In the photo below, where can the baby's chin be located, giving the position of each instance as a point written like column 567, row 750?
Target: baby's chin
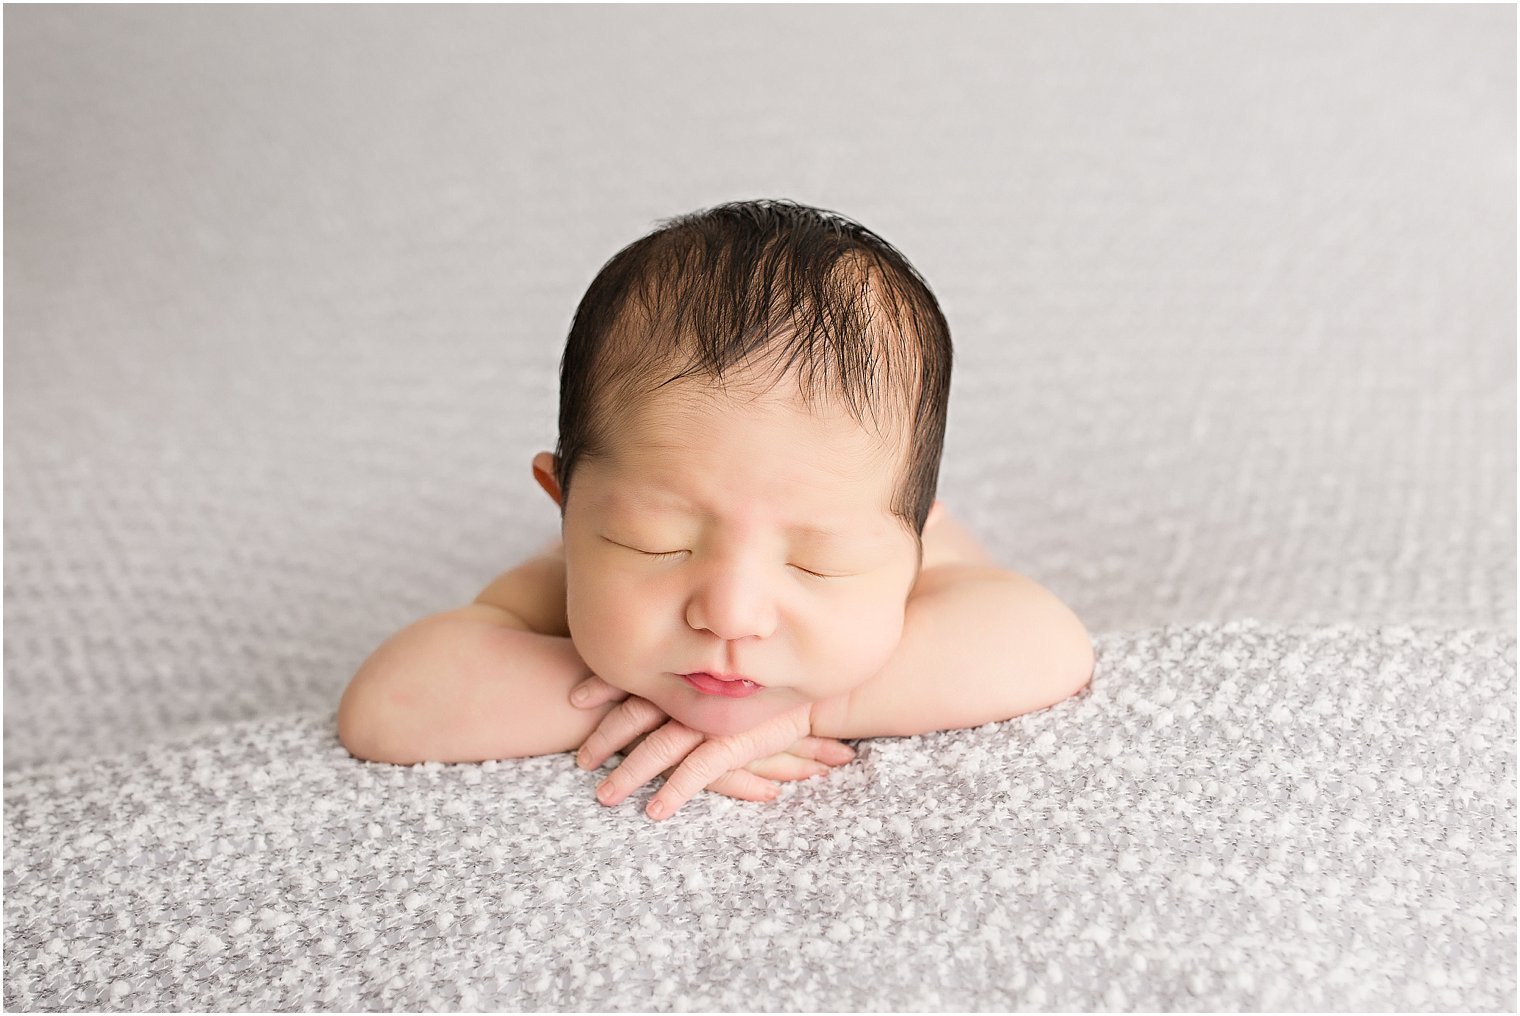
column 717, row 716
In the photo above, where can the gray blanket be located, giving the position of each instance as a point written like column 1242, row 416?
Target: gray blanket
column 1237, row 815
column 1233, row 297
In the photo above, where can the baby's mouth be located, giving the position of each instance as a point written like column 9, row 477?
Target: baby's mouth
column 725, row 685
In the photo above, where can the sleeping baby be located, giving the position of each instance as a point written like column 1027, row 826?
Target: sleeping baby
column 752, row 567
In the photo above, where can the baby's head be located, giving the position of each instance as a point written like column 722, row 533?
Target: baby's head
column 752, row 408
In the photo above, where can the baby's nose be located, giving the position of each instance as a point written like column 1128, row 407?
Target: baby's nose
column 732, row 607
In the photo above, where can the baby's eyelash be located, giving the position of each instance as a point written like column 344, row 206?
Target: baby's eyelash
column 657, row 555
column 666, row 555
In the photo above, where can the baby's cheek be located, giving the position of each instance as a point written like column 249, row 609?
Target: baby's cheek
column 861, row 645
column 602, row 626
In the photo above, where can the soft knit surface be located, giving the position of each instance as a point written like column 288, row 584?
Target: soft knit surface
column 1233, row 297
column 1232, row 816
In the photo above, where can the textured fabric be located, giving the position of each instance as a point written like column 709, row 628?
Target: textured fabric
column 1234, row 816
column 1233, row 297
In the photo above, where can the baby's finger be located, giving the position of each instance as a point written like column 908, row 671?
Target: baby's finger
column 718, row 756
column 593, row 692
column 786, row 768
column 823, row 749
column 702, row 768
column 669, row 744
column 625, row 722
column 745, row 786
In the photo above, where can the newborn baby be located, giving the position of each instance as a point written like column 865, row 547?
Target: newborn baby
column 753, row 564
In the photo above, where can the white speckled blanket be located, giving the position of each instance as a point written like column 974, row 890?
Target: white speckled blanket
column 1233, row 292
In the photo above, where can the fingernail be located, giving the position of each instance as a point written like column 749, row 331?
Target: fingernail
column 656, row 809
column 581, row 759
column 818, row 770
column 580, row 694
column 604, row 792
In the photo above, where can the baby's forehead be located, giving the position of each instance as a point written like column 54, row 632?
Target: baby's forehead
column 660, row 474
column 769, row 404
column 748, row 435
column 830, row 449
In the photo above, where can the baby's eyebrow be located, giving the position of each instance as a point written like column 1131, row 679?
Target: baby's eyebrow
column 644, row 500
column 817, row 531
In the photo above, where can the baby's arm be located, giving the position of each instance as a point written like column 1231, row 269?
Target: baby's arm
column 487, row 681
column 493, row 680
column 980, row 644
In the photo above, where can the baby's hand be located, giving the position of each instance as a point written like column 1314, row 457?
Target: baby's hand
column 741, row 766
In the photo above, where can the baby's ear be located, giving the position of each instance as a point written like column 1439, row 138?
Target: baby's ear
column 544, row 465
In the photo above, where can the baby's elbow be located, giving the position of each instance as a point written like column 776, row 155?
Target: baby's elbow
column 1074, row 657
column 1066, row 672
column 355, row 725
column 363, row 721
column 1063, row 665
column 1084, row 660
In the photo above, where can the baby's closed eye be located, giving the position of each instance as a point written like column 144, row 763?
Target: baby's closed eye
column 812, row 569
column 636, row 547
column 819, row 574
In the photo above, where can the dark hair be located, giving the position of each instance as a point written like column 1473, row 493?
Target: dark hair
column 798, row 288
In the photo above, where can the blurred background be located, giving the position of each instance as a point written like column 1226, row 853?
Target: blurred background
column 286, row 287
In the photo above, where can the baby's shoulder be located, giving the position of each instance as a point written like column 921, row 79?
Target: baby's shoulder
column 948, row 541
column 534, row 592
